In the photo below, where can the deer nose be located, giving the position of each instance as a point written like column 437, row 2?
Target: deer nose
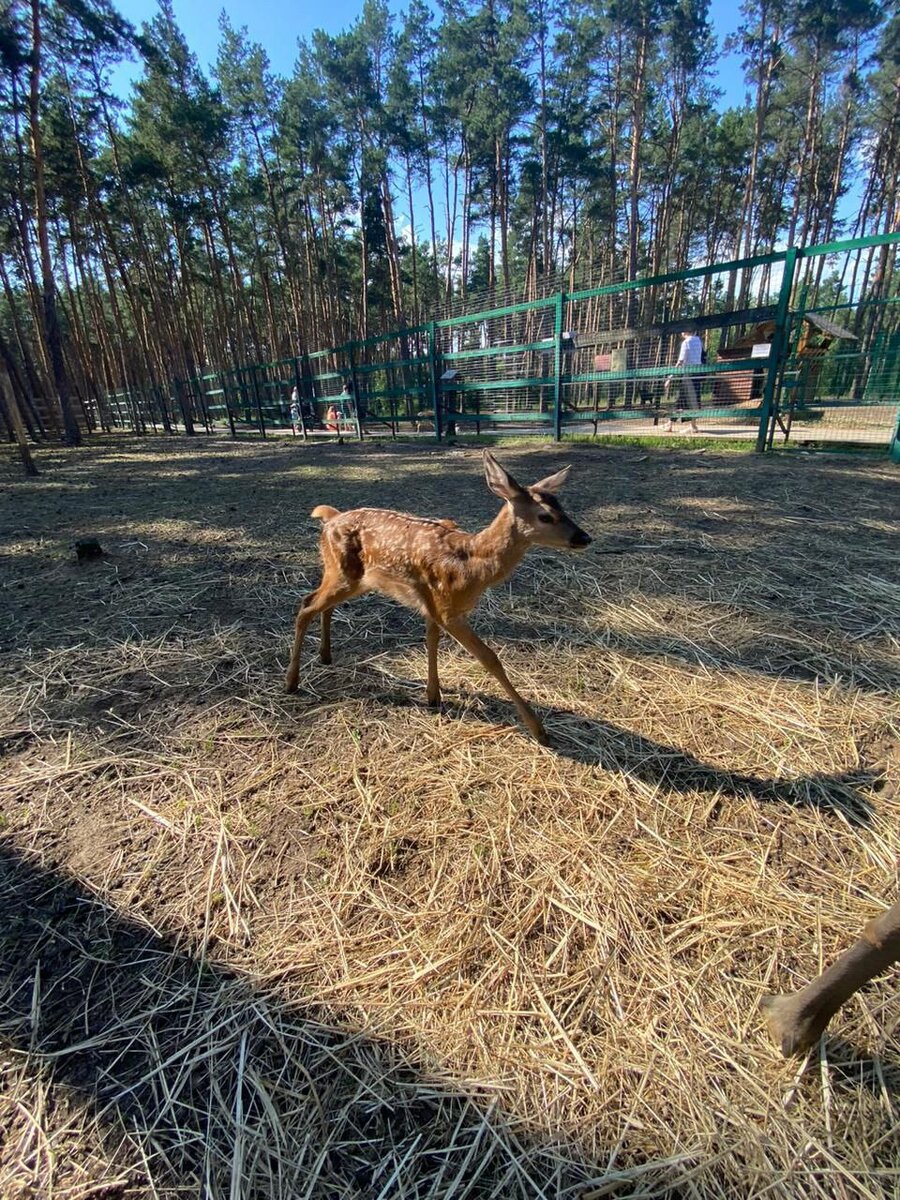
column 580, row 539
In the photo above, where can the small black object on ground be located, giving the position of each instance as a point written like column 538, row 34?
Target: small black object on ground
column 87, row 548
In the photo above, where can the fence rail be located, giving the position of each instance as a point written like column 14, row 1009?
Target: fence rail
column 799, row 345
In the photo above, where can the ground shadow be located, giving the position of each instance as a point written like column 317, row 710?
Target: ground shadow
column 854, row 1069
column 605, row 745
column 222, row 1090
column 132, row 701
column 612, row 748
column 669, row 525
column 868, row 668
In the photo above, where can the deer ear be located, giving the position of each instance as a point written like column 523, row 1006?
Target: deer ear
column 553, row 482
column 499, row 481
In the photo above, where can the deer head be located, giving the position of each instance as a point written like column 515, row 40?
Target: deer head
column 539, row 517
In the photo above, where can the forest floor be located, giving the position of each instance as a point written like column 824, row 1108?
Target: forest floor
column 339, row 945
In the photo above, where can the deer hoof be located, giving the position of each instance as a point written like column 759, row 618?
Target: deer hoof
column 290, row 684
column 792, row 1029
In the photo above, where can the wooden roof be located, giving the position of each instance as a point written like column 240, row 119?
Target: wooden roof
column 829, row 327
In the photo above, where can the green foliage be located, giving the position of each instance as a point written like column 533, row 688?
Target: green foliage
column 225, row 217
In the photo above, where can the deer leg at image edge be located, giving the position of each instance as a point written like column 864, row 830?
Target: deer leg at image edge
column 796, row 1021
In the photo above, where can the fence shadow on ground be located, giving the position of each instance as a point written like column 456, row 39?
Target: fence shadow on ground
column 219, row 1089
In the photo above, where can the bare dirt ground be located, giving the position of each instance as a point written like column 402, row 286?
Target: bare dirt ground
column 338, row 945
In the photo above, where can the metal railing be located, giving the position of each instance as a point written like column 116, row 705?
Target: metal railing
column 799, row 345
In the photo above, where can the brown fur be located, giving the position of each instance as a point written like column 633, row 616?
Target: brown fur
column 796, row 1021
column 435, row 568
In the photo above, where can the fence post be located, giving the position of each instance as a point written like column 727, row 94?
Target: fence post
column 254, row 395
column 777, row 352
column 354, row 390
column 557, row 365
column 223, row 383
column 309, row 385
column 433, row 379
column 298, row 388
column 202, row 404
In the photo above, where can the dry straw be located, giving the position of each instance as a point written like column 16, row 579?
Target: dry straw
column 337, row 945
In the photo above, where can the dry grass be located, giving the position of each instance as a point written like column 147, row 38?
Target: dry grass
column 336, row 945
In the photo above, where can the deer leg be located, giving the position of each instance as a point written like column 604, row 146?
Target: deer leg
column 325, row 643
column 796, row 1021
column 432, row 637
column 469, row 639
column 323, row 600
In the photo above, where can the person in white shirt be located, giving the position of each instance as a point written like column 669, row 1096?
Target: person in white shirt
column 689, row 355
column 296, row 420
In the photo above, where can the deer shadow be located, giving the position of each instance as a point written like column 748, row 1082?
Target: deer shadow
column 612, row 748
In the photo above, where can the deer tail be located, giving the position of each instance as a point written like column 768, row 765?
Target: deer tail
column 324, row 512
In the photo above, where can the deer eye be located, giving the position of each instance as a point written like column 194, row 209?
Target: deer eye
column 545, row 518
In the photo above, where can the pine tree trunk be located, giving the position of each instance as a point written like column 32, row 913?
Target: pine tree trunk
column 634, row 172
column 36, row 388
column 71, row 431
column 9, row 409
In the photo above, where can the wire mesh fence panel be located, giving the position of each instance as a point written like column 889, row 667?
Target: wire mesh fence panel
column 203, row 398
column 499, row 367
column 324, row 375
column 144, row 409
column 617, row 353
column 800, row 344
column 390, row 380
column 114, row 406
column 841, row 380
column 215, row 400
column 692, row 346
column 275, row 383
column 239, row 399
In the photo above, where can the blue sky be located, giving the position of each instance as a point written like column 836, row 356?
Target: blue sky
column 277, row 26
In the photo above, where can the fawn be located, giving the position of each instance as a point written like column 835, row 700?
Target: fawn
column 435, row 568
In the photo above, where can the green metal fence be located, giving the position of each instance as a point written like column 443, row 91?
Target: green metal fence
column 841, row 376
column 802, row 345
